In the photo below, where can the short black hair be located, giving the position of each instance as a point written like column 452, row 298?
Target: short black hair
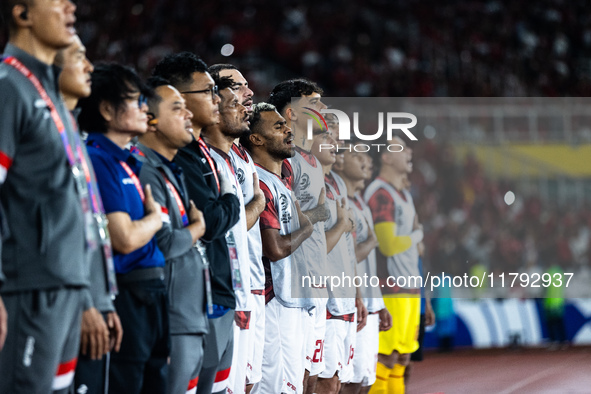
column 6, row 7
column 257, row 109
column 155, row 99
column 113, row 83
column 215, row 69
column 179, row 67
column 282, row 94
column 223, row 82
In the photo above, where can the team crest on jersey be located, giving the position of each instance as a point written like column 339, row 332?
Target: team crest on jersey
column 305, row 182
column 240, row 176
column 283, row 205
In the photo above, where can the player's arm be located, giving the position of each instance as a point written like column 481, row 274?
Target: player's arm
column 320, row 213
column 129, row 235
column 383, row 211
column 256, row 206
column 277, row 246
column 343, row 225
column 221, row 212
column 363, row 249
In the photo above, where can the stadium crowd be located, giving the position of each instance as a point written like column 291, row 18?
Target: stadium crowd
column 371, row 48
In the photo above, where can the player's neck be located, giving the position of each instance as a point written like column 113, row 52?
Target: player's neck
column 26, row 41
column 352, row 185
column 299, row 139
column 71, row 101
column 196, row 130
column 152, row 142
column 326, row 168
column 119, row 139
column 215, row 137
column 393, row 178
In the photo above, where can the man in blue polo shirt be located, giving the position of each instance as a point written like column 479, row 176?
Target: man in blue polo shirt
column 115, row 112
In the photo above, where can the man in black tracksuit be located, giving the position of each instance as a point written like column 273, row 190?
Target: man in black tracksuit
column 41, row 189
column 221, row 208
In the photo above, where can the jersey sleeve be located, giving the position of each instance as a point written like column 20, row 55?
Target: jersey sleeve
column 382, row 207
column 270, row 217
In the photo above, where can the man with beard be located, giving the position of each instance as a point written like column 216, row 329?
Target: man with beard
column 308, row 187
column 220, row 137
column 283, row 228
column 239, row 83
column 215, row 197
column 169, row 130
column 255, row 200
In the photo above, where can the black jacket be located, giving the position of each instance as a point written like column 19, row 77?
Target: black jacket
column 221, row 213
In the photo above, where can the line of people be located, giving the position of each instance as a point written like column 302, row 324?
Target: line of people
column 155, row 233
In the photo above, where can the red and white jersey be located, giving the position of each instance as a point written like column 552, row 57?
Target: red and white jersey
column 244, row 168
column 308, row 181
column 372, row 296
column 239, row 231
column 280, row 213
column 341, row 259
column 390, row 205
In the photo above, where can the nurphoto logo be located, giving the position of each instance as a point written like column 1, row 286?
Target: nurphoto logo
column 394, row 121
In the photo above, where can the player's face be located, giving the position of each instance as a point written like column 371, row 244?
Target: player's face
column 354, row 166
column 325, row 155
column 241, row 88
column 314, row 102
column 174, row 119
column 203, row 105
column 75, row 80
column 234, row 118
column 277, row 136
column 333, row 128
column 401, row 162
column 132, row 117
column 52, row 22
column 368, row 167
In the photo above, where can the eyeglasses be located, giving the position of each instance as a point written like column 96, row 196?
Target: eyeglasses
column 213, row 91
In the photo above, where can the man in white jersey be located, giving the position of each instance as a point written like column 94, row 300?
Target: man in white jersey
column 220, row 137
column 398, row 234
column 249, row 182
column 283, row 228
column 239, row 83
column 340, row 317
column 356, row 169
column 308, row 187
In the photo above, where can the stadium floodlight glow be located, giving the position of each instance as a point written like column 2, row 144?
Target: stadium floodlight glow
column 509, row 197
column 227, row 50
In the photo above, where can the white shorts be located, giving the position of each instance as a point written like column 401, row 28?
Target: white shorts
column 283, row 365
column 339, row 348
column 365, row 358
column 316, row 326
column 237, row 378
column 257, row 339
